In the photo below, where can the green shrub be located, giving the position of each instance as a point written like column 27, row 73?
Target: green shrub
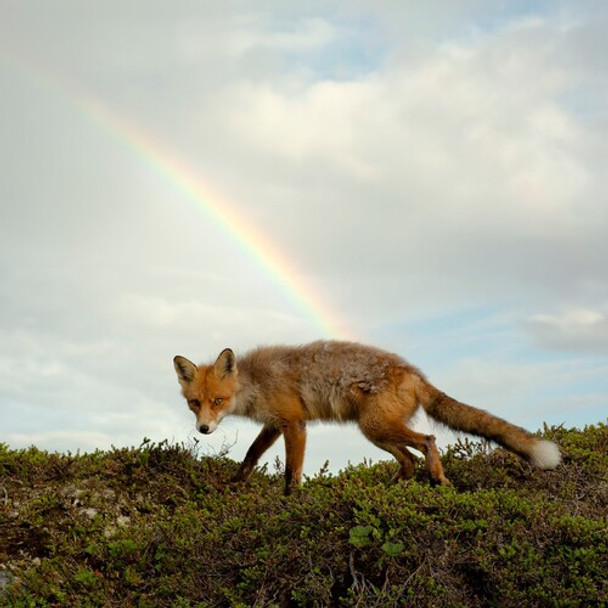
column 158, row 526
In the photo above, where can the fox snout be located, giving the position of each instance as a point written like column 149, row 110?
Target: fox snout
column 206, row 420
column 206, row 427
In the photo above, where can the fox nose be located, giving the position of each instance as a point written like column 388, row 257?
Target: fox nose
column 203, row 428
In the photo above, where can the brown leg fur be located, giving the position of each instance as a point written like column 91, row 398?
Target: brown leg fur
column 383, row 423
column 408, row 463
column 294, row 433
column 403, row 456
column 267, row 436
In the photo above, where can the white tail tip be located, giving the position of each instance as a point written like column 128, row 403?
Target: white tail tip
column 545, row 454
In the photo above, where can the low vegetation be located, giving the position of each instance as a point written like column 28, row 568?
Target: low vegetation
column 158, row 526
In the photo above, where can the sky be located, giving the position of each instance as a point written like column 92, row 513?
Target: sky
column 177, row 178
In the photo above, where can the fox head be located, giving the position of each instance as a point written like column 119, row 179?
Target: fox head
column 210, row 390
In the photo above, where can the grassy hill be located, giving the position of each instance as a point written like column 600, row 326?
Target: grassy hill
column 157, row 526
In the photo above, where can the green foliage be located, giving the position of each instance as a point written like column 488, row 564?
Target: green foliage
column 157, row 526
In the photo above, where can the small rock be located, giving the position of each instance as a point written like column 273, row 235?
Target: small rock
column 6, row 579
column 90, row 512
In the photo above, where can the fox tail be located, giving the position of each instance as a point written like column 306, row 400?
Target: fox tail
column 458, row 416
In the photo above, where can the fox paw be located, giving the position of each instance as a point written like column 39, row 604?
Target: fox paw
column 442, row 481
column 239, row 477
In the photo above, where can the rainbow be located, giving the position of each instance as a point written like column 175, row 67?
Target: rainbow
column 255, row 244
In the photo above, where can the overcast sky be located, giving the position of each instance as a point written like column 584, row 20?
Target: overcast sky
column 428, row 177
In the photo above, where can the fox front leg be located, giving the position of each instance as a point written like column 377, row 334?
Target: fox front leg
column 267, row 436
column 294, row 433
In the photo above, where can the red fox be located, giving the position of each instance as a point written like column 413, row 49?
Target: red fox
column 283, row 387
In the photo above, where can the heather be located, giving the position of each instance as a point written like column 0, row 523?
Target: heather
column 159, row 525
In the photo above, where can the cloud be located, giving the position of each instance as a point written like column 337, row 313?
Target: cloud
column 445, row 113
column 368, row 159
column 308, row 34
column 413, row 161
column 575, row 330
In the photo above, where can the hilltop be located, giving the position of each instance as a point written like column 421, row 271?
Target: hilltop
column 160, row 526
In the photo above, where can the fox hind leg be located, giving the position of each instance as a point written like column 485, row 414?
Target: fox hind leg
column 390, row 433
column 433, row 463
column 400, row 437
column 426, row 445
column 406, row 460
column 408, row 464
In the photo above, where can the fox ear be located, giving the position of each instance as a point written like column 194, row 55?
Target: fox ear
column 185, row 370
column 225, row 364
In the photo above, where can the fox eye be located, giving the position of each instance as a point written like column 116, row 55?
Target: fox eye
column 217, row 401
column 194, row 403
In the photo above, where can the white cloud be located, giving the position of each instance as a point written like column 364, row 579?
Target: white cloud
column 307, row 34
column 367, row 161
column 581, row 330
column 414, row 160
column 481, row 116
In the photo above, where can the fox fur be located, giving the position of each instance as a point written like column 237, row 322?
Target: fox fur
column 283, row 387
